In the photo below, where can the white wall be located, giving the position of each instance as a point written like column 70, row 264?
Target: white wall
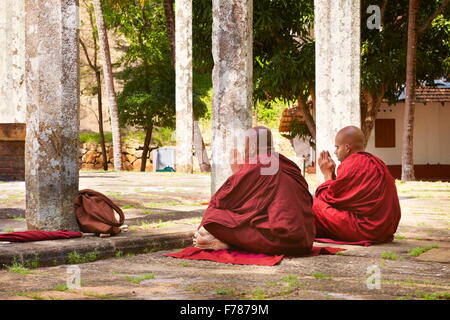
column 431, row 134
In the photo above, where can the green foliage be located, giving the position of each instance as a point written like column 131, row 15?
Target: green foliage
column 383, row 52
column 94, row 137
column 284, row 47
column 148, row 95
column 268, row 114
column 164, row 137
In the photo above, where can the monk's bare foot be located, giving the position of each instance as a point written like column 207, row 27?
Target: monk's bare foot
column 205, row 240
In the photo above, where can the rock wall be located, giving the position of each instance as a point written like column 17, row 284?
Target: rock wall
column 91, row 156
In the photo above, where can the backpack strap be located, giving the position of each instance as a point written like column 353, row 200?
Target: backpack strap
column 108, row 201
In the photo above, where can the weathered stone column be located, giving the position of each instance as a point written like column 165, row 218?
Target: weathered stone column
column 52, row 84
column 183, row 92
column 12, row 61
column 232, row 82
column 337, row 33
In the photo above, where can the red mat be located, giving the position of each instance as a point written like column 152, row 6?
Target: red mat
column 364, row 243
column 29, row 236
column 241, row 257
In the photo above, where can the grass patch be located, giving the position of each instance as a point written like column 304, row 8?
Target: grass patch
column 19, row 218
column 399, row 237
column 430, row 296
column 319, row 275
column 163, row 204
column 184, row 264
column 225, row 292
column 291, row 280
column 8, row 230
column 258, row 294
column 389, row 255
column 138, row 279
column 61, row 287
column 17, row 267
column 118, row 254
column 94, row 137
column 31, row 295
column 76, row 258
column 153, row 225
column 33, row 264
column 127, row 206
column 98, row 295
column 419, row 250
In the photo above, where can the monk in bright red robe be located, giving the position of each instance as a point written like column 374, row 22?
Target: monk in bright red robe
column 260, row 212
column 361, row 202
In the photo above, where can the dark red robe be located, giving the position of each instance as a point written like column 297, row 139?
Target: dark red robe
column 361, row 204
column 269, row 214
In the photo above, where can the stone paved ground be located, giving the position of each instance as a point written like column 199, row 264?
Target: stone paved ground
column 171, row 201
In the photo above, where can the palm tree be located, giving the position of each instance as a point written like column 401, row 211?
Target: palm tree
column 97, row 70
column 109, row 84
column 413, row 34
column 411, row 53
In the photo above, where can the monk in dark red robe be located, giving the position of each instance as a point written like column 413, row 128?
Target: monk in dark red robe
column 260, row 212
column 361, row 202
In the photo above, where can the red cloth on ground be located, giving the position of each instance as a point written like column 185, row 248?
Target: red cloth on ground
column 263, row 213
column 28, row 236
column 363, row 243
column 361, row 204
column 240, row 256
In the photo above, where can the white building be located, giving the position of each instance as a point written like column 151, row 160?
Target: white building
column 431, row 134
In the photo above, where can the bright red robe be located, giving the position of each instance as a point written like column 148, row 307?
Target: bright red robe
column 269, row 214
column 361, row 204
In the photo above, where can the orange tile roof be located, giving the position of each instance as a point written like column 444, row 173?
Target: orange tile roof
column 432, row 94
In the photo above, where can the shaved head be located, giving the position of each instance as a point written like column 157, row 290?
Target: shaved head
column 349, row 140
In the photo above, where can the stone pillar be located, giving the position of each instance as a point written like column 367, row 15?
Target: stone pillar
column 232, row 43
column 12, row 61
column 183, row 91
column 52, row 142
column 337, row 33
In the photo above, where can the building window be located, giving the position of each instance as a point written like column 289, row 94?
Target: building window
column 385, row 133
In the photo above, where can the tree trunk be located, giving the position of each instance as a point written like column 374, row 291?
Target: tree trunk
column 148, row 138
column 170, row 23
column 308, row 117
column 370, row 104
column 93, row 65
column 109, row 84
column 408, row 131
column 200, row 150
column 100, row 120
